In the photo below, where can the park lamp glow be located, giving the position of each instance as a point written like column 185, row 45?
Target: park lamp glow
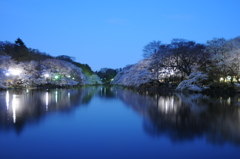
column 56, row 76
column 46, row 75
column 15, row 72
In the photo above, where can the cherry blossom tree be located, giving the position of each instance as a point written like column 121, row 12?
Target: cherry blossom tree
column 224, row 58
column 134, row 75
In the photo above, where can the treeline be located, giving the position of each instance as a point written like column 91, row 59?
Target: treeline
column 193, row 66
column 219, row 58
column 107, row 74
column 19, row 52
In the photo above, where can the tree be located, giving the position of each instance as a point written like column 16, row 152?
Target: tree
column 19, row 42
column 178, row 59
column 7, row 48
column 85, row 67
column 185, row 55
column 159, row 63
column 66, row 58
column 21, row 50
column 234, row 59
column 151, row 49
column 106, row 74
column 134, row 75
column 62, row 70
column 219, row 51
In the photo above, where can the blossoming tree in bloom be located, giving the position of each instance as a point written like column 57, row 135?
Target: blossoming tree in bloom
column 134, row 75
column 61, row 72
column 224, row 59
column 23, row 66
column 8, row 71
column 194, row 82
column 91, row 80
column 33, row 73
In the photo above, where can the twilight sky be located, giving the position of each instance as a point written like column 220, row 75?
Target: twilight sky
column 112, row 33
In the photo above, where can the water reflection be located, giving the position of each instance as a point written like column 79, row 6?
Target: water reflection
column 18, row 107
column 181, row 117
column 184, row 117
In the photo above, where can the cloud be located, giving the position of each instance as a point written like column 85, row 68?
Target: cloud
column 117, row 21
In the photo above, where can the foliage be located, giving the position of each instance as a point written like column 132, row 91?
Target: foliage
column 19, row 42
column 92, row 80
column 195, row 82
column 86, row 69
column 19, row 52
column 180, row 57
column 221, row 86
column 134, row 75
column 106, row 74
column 217, row 59
column 22, row 66
column 151, row 49
column 224, row 58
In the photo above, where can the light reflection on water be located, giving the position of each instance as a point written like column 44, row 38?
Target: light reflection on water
column 46, row 101
column 179, row 118
column 7, row 99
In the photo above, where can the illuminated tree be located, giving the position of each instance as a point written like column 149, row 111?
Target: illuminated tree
column 178, row 59
column 222, row 58
column 134, row 75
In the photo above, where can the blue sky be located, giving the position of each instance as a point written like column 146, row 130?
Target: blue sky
column 112, row 33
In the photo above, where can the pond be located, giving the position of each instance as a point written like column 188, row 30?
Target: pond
column 113, row 122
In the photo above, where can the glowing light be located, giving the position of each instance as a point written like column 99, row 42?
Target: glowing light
column 56, row 95
column 7, row 99
column 15, row 105
column 56, row 77
column 68, row 95
column 46, row 75
column 15, row 72
column 46, row 101
column 229, row 100
column 7, row 74
column 166, row 105
column 73, row 78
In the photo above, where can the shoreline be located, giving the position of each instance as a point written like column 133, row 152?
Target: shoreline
column 155, row 90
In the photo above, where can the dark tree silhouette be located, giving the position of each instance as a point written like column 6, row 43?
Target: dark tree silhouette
column 19, row 42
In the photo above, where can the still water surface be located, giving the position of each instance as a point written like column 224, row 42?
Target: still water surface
column 110, row 122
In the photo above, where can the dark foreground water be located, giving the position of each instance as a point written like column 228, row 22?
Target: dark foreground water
column 110, row 122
